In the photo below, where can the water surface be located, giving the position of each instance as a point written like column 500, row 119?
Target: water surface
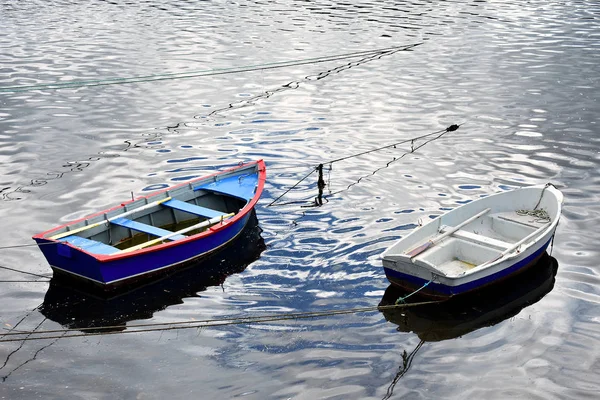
column 522, row 78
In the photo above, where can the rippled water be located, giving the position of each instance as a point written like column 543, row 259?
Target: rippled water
column 524, row 78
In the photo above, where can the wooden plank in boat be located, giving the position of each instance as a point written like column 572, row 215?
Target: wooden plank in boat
column 477, row 238
column 70, row 231
column 141, row 227
column 433, row 241
column 202, row 224
column 192, row 209
column 89, row 245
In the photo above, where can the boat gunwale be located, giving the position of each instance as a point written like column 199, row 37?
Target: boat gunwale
column 261, row 174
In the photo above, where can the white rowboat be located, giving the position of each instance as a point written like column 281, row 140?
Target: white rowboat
column 476, row 244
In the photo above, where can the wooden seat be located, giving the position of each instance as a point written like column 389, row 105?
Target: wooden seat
column 202, row 224
column 91, row 246
column 192, row 209
column 141, row 227
column 480, row 239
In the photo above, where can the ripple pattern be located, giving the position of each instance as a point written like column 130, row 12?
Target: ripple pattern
column 522, row 79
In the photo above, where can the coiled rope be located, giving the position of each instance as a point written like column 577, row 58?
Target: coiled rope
column 540, row 215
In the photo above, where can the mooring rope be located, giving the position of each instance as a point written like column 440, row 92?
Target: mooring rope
column 407, row 360
column 319, row 168
column 402, row 300
column 451, row 128
column 201, row 73
column 24, row 272
column 312, row 171
column 27, row 336
column 177, row 325
column 413, row 148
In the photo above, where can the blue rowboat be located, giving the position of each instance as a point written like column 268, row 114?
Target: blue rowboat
column 476, row 244
column 93, row 309
column 152, row 234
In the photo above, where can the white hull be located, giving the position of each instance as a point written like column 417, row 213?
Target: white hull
column 477, row 243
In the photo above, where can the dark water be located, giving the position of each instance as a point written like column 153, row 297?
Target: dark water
column 524, row 78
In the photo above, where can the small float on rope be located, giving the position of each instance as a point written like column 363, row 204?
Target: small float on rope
column 476, row 244
column 158, row 232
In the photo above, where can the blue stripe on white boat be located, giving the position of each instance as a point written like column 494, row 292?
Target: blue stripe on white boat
column 192, row 208
column 454, row 290
column 91, row 246
column 138, row 226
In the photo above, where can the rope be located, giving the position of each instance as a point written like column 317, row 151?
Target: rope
column 451, row 128
column 201, row 73
column 541, row 196
column 165, row 326
column 29, row 334
column 24, row 318
column 412, row 150
column 407, row 360
column 402, row 300
column 5, row 377
column 24, row 272
column 296, row 184
column 319, row 167
column 539, row 215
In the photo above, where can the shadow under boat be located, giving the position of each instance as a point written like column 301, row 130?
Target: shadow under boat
column 463, row 314
column 77, row 307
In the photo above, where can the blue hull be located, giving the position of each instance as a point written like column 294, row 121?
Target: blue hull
column 66, row 259
column 218, row 206
column 434, row 289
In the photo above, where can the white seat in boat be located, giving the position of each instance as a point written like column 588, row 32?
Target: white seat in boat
column 476, row 238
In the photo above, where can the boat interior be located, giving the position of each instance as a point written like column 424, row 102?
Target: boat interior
column 479, row 242
column 146, row 222
column 472, row 237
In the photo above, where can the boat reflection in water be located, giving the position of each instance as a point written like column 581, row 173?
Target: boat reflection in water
column 463, row 314
column 76, row 309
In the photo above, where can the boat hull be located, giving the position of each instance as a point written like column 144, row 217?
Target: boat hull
column 217, row 207
column 437, row 290
column 464, row 314
column 76, row 306
column 475, row 245
column 114, row 273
